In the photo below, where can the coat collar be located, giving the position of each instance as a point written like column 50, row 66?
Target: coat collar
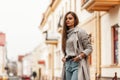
column 76, row 29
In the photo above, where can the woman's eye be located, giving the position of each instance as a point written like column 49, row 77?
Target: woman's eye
column 69, row 18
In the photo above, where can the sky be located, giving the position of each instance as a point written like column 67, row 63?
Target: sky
column 20, row 21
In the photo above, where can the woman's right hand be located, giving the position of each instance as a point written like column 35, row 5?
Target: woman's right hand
column 63, row 59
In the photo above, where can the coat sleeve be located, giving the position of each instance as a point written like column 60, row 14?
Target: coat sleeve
column 85, row 41
column 63, row 73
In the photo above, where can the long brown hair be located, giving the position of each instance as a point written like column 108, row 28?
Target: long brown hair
column 65, row 28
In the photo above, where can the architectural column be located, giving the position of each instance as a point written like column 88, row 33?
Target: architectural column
column 52, row 62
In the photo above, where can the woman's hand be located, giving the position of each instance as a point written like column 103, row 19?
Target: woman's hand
column 79, row 57
column 63, row 59
column 76, row 59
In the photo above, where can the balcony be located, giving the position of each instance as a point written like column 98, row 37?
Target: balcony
column 99, row 5
column 51, row 37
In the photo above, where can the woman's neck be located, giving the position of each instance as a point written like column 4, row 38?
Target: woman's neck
column 70, row 27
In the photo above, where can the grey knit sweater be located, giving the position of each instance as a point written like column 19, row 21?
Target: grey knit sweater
column 77, row 42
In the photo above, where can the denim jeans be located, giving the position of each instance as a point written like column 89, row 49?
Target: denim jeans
column 71, row 70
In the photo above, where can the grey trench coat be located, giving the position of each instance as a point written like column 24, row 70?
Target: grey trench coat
column 84, row 46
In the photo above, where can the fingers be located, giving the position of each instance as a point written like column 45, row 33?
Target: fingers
column 76, row 59
column 63, row 59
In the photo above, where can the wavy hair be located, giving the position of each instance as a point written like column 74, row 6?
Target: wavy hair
column 65, row 28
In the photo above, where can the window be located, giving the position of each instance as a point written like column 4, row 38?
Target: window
column 115, row 44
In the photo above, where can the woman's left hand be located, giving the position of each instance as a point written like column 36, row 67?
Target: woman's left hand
column 76, row 59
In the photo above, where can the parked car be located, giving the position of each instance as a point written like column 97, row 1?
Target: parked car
column 25, row 77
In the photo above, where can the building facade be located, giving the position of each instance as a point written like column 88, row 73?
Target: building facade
column 3, row 53
column 100, row 20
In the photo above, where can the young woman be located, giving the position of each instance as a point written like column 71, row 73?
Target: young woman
column 76, row 47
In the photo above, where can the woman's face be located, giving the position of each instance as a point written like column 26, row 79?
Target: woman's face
column 70, row 21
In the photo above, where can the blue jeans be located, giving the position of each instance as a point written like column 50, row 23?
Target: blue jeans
column 71, row 70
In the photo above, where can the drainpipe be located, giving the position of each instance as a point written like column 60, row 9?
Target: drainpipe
column 98, row 39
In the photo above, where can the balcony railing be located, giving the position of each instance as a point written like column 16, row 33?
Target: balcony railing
column 99, row 5
column 51, row 37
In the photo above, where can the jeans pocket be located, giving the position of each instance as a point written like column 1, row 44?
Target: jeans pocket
column 69, row 68
column 74, row 64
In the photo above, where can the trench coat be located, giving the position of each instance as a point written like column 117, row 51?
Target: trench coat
column 81, row 39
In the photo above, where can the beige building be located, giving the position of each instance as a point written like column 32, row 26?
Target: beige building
column 3, row 60
column 34, row 61
column 3, row 53
column 108, row 28
column 101, row 19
